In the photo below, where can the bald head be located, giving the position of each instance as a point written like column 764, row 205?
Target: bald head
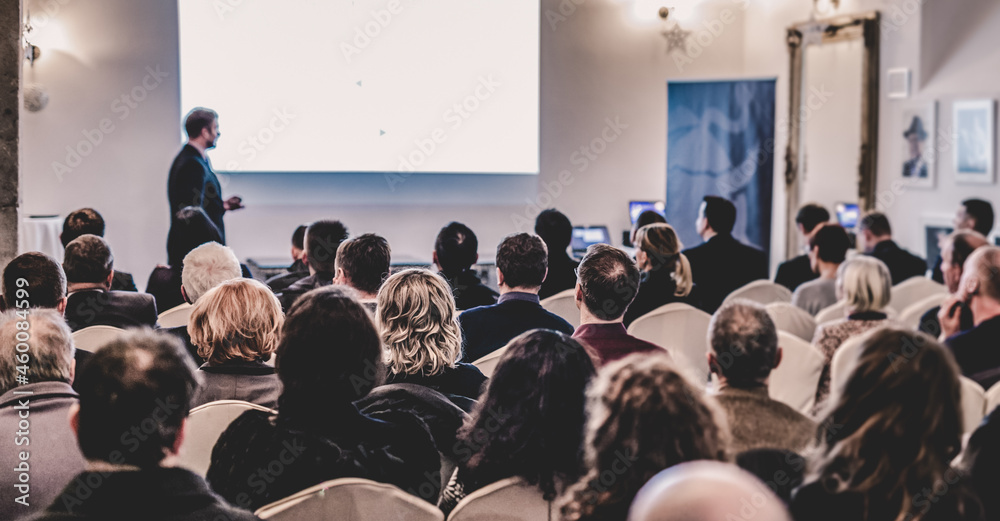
column 981, row 274
column 706, row 491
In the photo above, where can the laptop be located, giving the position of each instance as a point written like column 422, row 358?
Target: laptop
column 847, row 215
column 584, row 236
column 635, row 208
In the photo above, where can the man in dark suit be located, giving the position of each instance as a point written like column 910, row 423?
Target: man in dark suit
column 557, row 231
column 977, row 350
column 955, row 250
column 456, row 249
column 320, row 254
column 722, row 264
column 522, row 262
column 876, row 235
column 44, row 283
column 88, row 220
column 798, row 270
column 89, row 267
column 192, row 181
column 135, row 396
column 298, row 270
column 46, row 399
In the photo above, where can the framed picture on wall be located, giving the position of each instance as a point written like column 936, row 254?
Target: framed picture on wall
column 918, row 145
column 936, row 228
column 974, row 122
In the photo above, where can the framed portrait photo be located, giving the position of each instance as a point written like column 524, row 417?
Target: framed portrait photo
column 918, row 145
column 974, row 123
column 936, row 228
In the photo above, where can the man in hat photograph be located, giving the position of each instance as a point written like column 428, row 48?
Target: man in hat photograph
column 916, row 136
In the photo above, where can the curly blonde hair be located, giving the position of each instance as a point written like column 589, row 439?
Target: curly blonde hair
column 418, row 323
column 239, row 319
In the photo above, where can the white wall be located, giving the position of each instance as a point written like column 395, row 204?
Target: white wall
column 599, row 63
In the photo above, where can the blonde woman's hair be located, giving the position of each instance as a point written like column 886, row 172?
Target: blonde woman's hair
column 418, row 323
column 239, row 319
column 865, row 284
column 660, row 243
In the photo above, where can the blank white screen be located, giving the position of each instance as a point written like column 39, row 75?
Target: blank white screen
column 447, row 86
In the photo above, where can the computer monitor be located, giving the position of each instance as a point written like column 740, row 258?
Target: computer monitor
column 635, row 208
column 584, row 236
column 847, row 215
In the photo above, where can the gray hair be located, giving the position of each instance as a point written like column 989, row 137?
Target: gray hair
column 49, row 348
column 745, row 342
column 207, row 266
column 865, row 284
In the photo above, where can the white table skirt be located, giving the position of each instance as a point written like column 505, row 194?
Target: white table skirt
column 41, row 233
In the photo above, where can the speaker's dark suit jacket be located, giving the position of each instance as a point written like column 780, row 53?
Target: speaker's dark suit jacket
column 723, row 264
column 901, row 263
column 488, row 328
column 192, row 183
column 94, row 307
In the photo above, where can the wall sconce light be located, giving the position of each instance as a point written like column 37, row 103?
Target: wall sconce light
column 31, row 51
column 825, row 7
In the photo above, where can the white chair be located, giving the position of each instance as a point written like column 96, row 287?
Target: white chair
column 844, row 359
column 992, row 398
column 974, row 402
column 563, row 304
column 205, row 425
column 761, row 291
column 94, row 337
column 795, row 379
column 793, row 319
column 488, row 363
column 511, row 500
column 683, row 331
column 914, row 289
column 176, row 316
column 911, row 314
column 833, row 312
column 351, row 499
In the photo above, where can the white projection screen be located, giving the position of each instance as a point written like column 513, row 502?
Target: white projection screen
column 426, row 86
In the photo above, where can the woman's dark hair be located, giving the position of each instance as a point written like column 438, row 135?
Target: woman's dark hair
column 329, row 354
column 530, row 421
column 891, row 430
column 190, row 228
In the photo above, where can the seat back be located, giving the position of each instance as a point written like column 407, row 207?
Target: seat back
column 511, row 499
column 205, row 425
column 563, row 304
column 912, row 313
column 973, row 404
column 833, row 312
column 761, row 291
column 795, row 379
column 351, row 499
column 94, row 337
column 683, row 331
column 915, row 289
column 176, row 316
column 992, row 398
column 488, row 363
column 793, row 319
column 844, row 359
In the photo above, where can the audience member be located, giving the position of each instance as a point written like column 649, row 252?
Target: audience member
column 743, row 349
column 557, row 231
column 608, row 283
column 828, row 247
column 876, row 235
column 539, row 389
column 799, row 270
column 235, row 327
column 416, row 317
column 298, row 270
column 455, row 251
column 782, row 470
column 981, row 463
column 887, row 437
column 320, row 254
column 644, row 417
column 89, row 267
column 191, row 228
column 646, row 217
column 363, row 263
column 955, row 250
column 35, row 386
column 666, row 272
column 706, row 491
column 87, row 221
column 521, row 268
column 722, row 264
column 329, row 355
column 973, row 215
column 976, row 350
column 864, row 284
column 135, row 395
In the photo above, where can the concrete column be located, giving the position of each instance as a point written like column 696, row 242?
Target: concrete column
column 11, row 57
